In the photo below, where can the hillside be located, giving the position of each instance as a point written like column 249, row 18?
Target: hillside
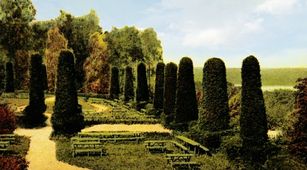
column 270, row 76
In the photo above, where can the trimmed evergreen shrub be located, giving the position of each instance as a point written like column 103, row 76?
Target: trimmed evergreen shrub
column 9, row 77
column 170, row 86
column 159, row 87
column 44, row 77
column 7, row 120
column 142, row 93
column 34, row 112
column 215, row 102
column 129, row 88
column 114, row 88
column 67, row 118
column 253, row 121
column 186, row 104
column 297, row 133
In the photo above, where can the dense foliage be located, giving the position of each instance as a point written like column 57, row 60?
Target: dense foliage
column 21, row 67
column 97, row 69
column 215, row 102
column 13, row 163
column 44, row 77
column 66, row 117
column 55, row 43
column 186, row 104
column 129, row 87
column 15, row 18
column 159, row 86
column 298, row 131
column 34, row 112
column 114, row 88
column 170, row 86
column 7, row 119
column 142, row 93
column 253, row 121
column 9, row 77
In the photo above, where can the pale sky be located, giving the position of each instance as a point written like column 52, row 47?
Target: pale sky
column 275, row 31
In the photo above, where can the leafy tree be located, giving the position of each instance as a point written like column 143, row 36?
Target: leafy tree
column 7, row 119
column 297, row 133
column 78, row 39
column 215, row 102
column 44, row 77
column 114, row 89
column 15, row 29
column 129, row 87
column 186, row 104
column 142, row 93
column 253, row 121
column 40, row 34
column 55, row 43
column 159, row 86
column 9, row 77
column 67, row 115
column 170, row 88
column 33, row 113
column 21, row 68
column 97, row 69
column 151, row 49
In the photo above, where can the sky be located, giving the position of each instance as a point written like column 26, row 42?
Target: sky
column 275, row 31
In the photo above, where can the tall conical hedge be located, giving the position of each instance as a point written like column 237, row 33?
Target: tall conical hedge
column 253, row 121
column 44, row 77
column 34, row 112
column 170, row 86
column 129, row 88
column 114, row 87
column 66, row 118
column 9, row 77
column 186, row 104
column 142, row 92
column 215, row 102
column 159, row 86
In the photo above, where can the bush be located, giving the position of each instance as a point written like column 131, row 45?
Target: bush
column 44, row 77
column 253, row 120
column 129, row 88
column 13, row 163
column 7, row 120
column 186, row 104
column 67, row 118
column 114, row 88
column 142, row 93
column 170, row 83
column 159, row 87
column 215, row 102
column 34, row 112
column 9, row 77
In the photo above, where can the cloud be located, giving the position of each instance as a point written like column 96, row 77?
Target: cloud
column 277, row 7
column 209, row 37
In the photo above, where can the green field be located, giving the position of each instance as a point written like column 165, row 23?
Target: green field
column 270, row 76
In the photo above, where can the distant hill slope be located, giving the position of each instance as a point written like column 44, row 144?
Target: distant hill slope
column 270, row 76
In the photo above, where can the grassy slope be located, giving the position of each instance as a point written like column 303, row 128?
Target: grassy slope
column 270, row 76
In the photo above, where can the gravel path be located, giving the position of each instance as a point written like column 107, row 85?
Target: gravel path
column 41, row 154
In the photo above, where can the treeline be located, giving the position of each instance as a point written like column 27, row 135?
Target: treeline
column 95, row 50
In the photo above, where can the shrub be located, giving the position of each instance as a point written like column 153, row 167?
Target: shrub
column 253, row 120
column 297, row 133
column 67, row 118
column 186, row 104
column 7, row 120
column 129, row 88
column 142, row 93
column 114, row 88
column 170, row 83
column 13, row 163
column 9, row 77
column 44, row 77
column 34, row 112
column 159, row 87
column 215, row 102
